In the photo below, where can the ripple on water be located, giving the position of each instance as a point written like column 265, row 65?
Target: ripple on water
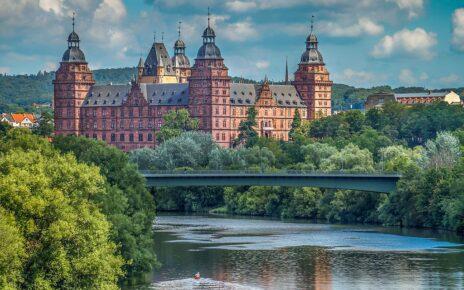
column 187, row 284
column 240, row 234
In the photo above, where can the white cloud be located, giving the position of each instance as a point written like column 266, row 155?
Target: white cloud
column 358, row 77
column 417, row 42
column 240, row 31
column 240, row 6
column 450, row 79
column 458, row 29
column 262, row 64
column 413, row 7
column 55, row 6
column 407, row 77
column 110, row 10
column 4, row 70
column 364, row 26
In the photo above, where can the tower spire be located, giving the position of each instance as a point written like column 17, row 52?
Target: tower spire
column 286, row 70
column 162, row 37
column 180, row 23
column 209, row 17
column 154, row 36
column 312, row 23
column 74, row 14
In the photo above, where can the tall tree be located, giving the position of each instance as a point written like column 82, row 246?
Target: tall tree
column 176, row 122
column 248, row 134
column 45, row 127
column 296, row 125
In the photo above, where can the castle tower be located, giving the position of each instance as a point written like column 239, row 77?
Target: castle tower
column 72, row 83
column 140, row 70
column 158, row 67
column 209, row 87
column 312, row 80
column 180, row 61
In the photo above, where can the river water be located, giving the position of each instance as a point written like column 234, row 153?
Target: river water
column 260, row 253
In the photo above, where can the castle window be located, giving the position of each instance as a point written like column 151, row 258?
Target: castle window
column 94, row 136
column 224, row 123
column 113, row 124
column 140, row 137
column 104, row 124
column 179, row 100
column 113, row 137
column 224, row 110
column 216, row 123
column 104, row 102
column 140, row 125
column 104, row 136
column 217, row 111
column 248, row 101
column 95, row 125
column 223, row 136
column 122, row 137
column 217, row 136
column 150, row 137
column 131, row 137
column 235, row 92
column 114, row 102
column 95, row 102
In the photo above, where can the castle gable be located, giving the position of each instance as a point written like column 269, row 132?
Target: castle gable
column 158, row 57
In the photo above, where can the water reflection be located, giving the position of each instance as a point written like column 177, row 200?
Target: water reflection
column 270, row 254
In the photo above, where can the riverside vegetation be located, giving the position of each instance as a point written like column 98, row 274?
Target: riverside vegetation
column 75, row 213
column 423, row 143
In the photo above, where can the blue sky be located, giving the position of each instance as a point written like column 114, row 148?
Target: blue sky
column 364, row 42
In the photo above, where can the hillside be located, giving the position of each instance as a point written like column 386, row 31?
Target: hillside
column 19, row 92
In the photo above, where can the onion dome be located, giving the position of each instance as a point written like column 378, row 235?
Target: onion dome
column 73, row 53
column 209, row 50
column 312, row 54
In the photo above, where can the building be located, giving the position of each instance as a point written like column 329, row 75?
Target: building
column 19, row 120
column 378, row 99
column 128, row 115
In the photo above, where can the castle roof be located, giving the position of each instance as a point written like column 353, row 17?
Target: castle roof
column 158, row 56
column 178, row 95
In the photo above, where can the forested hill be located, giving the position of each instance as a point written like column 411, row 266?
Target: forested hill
column 19, row 92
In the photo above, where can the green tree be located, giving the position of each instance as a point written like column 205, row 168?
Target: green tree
column 247, row 135
column 129, row 206
column 176, row 122
column 67, row 237
column 45, row 127
column 350, row 159
column 296, row 125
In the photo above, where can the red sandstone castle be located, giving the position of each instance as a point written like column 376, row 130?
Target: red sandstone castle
column 128, row 115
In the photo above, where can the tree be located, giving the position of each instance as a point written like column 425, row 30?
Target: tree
column 45, row 127
column 444, row 151
column 296, row 124
column 48, row 199
column 128, row 204
column 315, row 153
column 350, row 159
column 176, row 122
column 247, row 134
column 372, row 140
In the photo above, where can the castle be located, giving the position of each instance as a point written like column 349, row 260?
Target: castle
column 128, row 115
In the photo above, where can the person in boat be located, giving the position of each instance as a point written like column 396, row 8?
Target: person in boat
column 197, row 276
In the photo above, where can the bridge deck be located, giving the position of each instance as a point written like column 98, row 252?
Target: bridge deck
column 375, row 182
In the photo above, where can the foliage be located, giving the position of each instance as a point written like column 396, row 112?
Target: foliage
column 442, row 152
column 46, row 125
column 349, row 159
column 296, row 124
column 247, row 134
column 176, row 122
column 128, row 205
column 47, row 205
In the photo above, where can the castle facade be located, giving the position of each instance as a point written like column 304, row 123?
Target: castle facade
column 128, row 115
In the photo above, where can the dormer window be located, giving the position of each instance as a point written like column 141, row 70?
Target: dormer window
column 154, row 93
column 235, row 92
column 248, row 101
column 173, row 92
column 108, row 94
column 240, row 101
column 179, row 100
column 159, row 101
column 169, row 100
column 114, row 102
column 243, row 93
column 95, row 102
column 295, row 103
column 99, row 94
column 104, row 102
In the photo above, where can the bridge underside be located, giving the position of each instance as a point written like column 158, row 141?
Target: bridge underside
column 373, row 183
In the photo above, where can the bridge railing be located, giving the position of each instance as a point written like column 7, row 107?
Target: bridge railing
column 268, row 172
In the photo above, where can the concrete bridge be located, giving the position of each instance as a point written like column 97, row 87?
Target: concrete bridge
column 374, row 182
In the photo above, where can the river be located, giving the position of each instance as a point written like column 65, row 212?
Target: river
column 263, row 253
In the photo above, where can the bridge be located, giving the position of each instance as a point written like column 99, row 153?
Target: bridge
column 374, row 182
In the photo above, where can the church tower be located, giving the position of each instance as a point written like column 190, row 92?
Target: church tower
column 180, row 61
column 72, row 83
column 209, row 87
column 312, row 80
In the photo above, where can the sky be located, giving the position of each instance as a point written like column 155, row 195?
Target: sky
column 364, row 42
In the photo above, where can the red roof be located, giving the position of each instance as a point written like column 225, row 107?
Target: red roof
column 19, row 118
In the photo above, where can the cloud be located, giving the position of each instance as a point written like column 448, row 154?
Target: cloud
column 450, row 79
column 407, row 77
column 364, row 26
column 417, row 42
column 240, row 6
column 358, row 77
column 413, row 7
column 55, row 6
column 110, row 10
column 262, row 64
column 240, row 31
column 458, row 30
